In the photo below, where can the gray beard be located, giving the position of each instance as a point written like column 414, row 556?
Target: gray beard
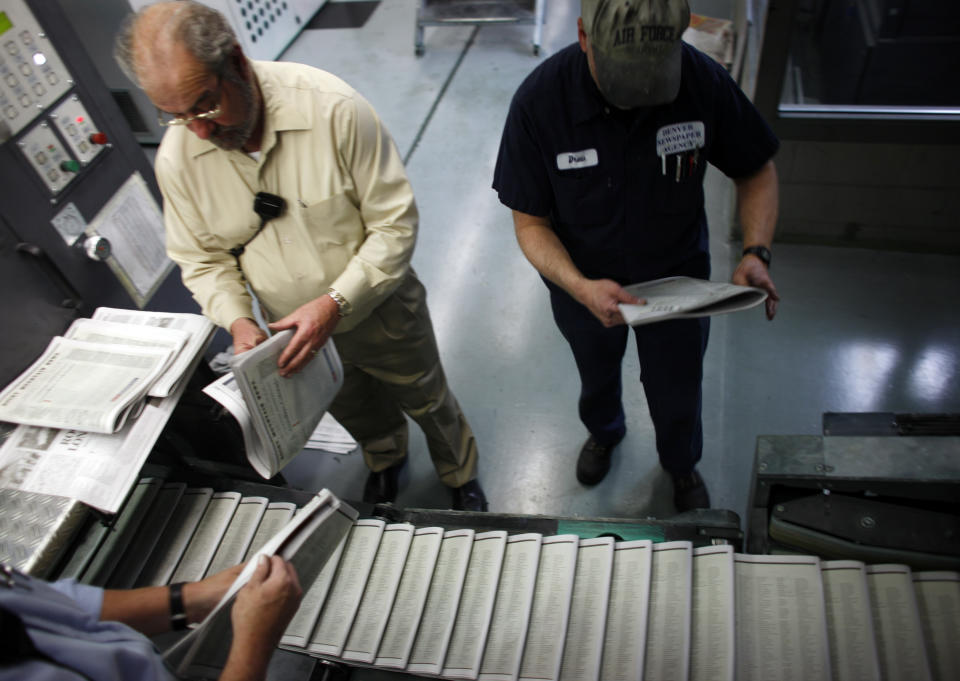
column 234, row 137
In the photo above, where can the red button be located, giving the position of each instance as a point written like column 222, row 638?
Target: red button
column 98, row 138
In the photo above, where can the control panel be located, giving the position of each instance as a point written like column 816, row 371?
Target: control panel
column 48, row 156
column 32, row 75
column 78, row 129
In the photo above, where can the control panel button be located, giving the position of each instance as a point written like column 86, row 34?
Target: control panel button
column 99, row 138
column 70, row 166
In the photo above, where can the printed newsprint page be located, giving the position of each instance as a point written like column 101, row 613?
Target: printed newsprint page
column 674, row 297
column 198, row 328
column 781, row 620
column 543, row 650
column 340, row 607
column 159, row 568
column 476, row 606
column 625, row 638
column 307, row 541
column 210, row 530
column 297, row 634
column 712, row 643
column 938, row 599
column 668, row 632
column 511, row 610
column 226, row 391
column 436, row 625
column 588, row 610
column 382, row 584
column 107, row 333
column 83, row 386
column 853, row 647
column 397, row 640
column 896, row 621
column 239, row 534
column 94, row 468
column 285, row 410
column 278, row 514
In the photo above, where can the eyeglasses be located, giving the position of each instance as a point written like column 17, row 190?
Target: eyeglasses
column 167, row 119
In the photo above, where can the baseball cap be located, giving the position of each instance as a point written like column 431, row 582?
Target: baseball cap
column 636, row 48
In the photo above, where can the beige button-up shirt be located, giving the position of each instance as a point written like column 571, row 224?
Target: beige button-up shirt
column 350, row 220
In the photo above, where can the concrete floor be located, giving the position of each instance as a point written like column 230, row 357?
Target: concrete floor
column 857, row 330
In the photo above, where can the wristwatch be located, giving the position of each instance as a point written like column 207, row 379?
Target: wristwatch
column 343, row 305
column 761, row 252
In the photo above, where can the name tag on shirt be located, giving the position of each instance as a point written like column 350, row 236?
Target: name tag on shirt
column 680, row 137
column 571, row 160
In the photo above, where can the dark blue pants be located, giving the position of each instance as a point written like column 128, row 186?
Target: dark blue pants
column 671, row 370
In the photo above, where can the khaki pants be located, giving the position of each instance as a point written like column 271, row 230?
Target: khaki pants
column 391, row 367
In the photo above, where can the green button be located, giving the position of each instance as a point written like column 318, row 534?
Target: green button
column 70, row 166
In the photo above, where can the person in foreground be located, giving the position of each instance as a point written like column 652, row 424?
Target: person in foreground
column 281, row 178
column 602, row 161
column 66, row 630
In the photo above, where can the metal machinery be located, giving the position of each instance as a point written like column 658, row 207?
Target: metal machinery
column 880, row 488
column 80, row 221
column 479, row 12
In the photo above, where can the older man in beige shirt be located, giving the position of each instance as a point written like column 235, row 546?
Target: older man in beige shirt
column 335, row 260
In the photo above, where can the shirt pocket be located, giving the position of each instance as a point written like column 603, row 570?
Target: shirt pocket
column 583, row 197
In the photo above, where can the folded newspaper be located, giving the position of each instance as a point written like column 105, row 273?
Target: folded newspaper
column 684, row 297
column 307, row 541
column 97, row 376
column 277, row 414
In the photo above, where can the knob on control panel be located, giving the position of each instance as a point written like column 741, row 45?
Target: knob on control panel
column 97, row 247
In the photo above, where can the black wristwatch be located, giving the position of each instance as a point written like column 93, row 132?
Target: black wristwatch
column 761, row 252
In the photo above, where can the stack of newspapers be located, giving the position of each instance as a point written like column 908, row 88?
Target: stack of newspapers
column 465, row 604
column 98, row 375
column 277, row 414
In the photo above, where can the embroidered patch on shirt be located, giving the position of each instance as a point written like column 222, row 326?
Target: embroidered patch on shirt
column 571, row 160
column 680, row 137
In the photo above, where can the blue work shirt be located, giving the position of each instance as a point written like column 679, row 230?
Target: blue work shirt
column 63, row 621
column 624, row 189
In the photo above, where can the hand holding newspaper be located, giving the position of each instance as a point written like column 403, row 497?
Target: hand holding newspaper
column 307, row 541
column 277, row 414
column 684, row 297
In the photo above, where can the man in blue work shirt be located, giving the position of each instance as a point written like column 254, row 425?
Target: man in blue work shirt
column 602, row 162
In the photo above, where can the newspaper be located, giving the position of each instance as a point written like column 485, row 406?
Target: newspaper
column 199, row 328
column 277, row 414
column 83, row 386
column 94, row 468
column 174, row 340
column 684, row 297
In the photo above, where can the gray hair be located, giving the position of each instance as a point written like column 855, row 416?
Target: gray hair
column 203, row 31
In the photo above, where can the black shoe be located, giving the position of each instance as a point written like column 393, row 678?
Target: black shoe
column 469, row 497
column 690, row 492
column 381, row 486
column 594, row 461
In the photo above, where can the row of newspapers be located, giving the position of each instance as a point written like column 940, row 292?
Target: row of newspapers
column 466, row 604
